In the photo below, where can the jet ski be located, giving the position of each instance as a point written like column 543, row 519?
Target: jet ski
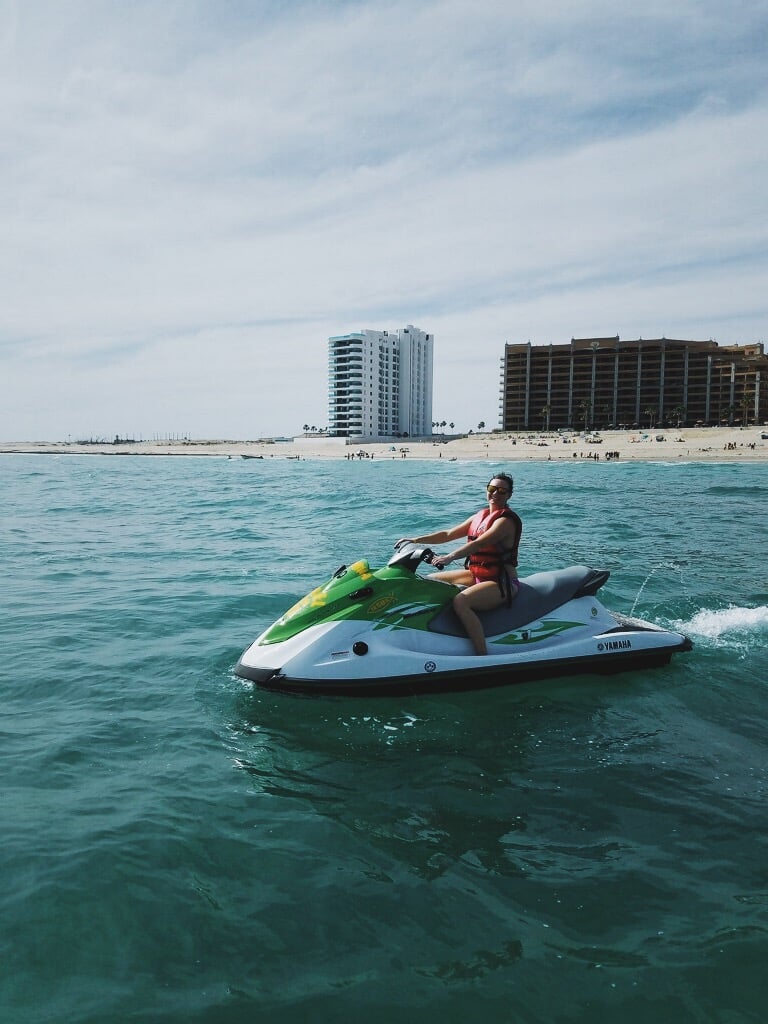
column 392, row 630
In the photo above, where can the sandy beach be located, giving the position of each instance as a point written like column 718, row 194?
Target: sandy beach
column 717, row 444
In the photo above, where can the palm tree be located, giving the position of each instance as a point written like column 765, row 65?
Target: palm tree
column 585, row 408
column 746, row 400
column 679, row 413
column 545, row 416
column 481, row 425
column 651, row 412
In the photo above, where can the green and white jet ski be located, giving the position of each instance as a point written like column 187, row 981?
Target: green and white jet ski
column 390, row 630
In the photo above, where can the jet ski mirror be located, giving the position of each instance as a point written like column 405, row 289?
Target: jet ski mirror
column 409, row 555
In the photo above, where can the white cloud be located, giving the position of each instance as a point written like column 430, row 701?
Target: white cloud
column 195, row 195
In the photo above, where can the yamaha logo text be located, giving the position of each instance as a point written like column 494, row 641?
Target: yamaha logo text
column 615, row 645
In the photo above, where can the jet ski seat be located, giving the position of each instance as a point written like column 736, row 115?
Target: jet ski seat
column 539, row 594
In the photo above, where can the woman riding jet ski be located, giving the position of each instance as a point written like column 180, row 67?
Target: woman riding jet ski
column 390, row 630
column 489, row 575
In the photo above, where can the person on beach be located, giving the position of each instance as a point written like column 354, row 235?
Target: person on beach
column 489, row 576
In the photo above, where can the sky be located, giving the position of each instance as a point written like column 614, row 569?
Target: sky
column 196, row 194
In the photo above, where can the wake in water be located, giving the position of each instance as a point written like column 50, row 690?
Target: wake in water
column 733, row 624
column 737, row 633
column 734, row 621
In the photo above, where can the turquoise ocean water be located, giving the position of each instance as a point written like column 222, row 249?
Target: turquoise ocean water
column 180, row 847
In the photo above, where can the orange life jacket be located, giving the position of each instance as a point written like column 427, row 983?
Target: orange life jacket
column 490, row 563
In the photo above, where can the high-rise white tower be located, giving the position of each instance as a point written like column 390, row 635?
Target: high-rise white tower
column 380, row 384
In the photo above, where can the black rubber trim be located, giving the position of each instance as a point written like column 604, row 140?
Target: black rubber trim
column 262, row 676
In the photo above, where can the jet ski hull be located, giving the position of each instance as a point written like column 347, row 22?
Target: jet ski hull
column 350, row 655
column 460, row 679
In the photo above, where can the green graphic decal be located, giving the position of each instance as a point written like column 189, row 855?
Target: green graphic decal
column 392, row 598
column 408, row 616
column 546, row 629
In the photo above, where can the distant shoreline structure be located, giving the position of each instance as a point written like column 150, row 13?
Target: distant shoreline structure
column 693, row 444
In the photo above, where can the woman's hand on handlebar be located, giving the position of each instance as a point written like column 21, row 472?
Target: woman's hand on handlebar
column 440, row 561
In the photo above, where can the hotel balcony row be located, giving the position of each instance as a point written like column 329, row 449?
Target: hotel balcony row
column 607, row 382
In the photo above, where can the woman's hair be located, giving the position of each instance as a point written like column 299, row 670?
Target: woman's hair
column 507, row 480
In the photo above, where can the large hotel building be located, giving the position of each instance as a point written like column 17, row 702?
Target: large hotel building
column 606, row 382
column 380, row 384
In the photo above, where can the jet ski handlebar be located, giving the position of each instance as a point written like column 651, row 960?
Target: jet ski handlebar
column 409, row 555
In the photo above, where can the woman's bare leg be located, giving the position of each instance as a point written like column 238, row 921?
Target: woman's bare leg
column 482, row 597
column 459, row 577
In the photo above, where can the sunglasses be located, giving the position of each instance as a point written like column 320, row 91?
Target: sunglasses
column 492, row 490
